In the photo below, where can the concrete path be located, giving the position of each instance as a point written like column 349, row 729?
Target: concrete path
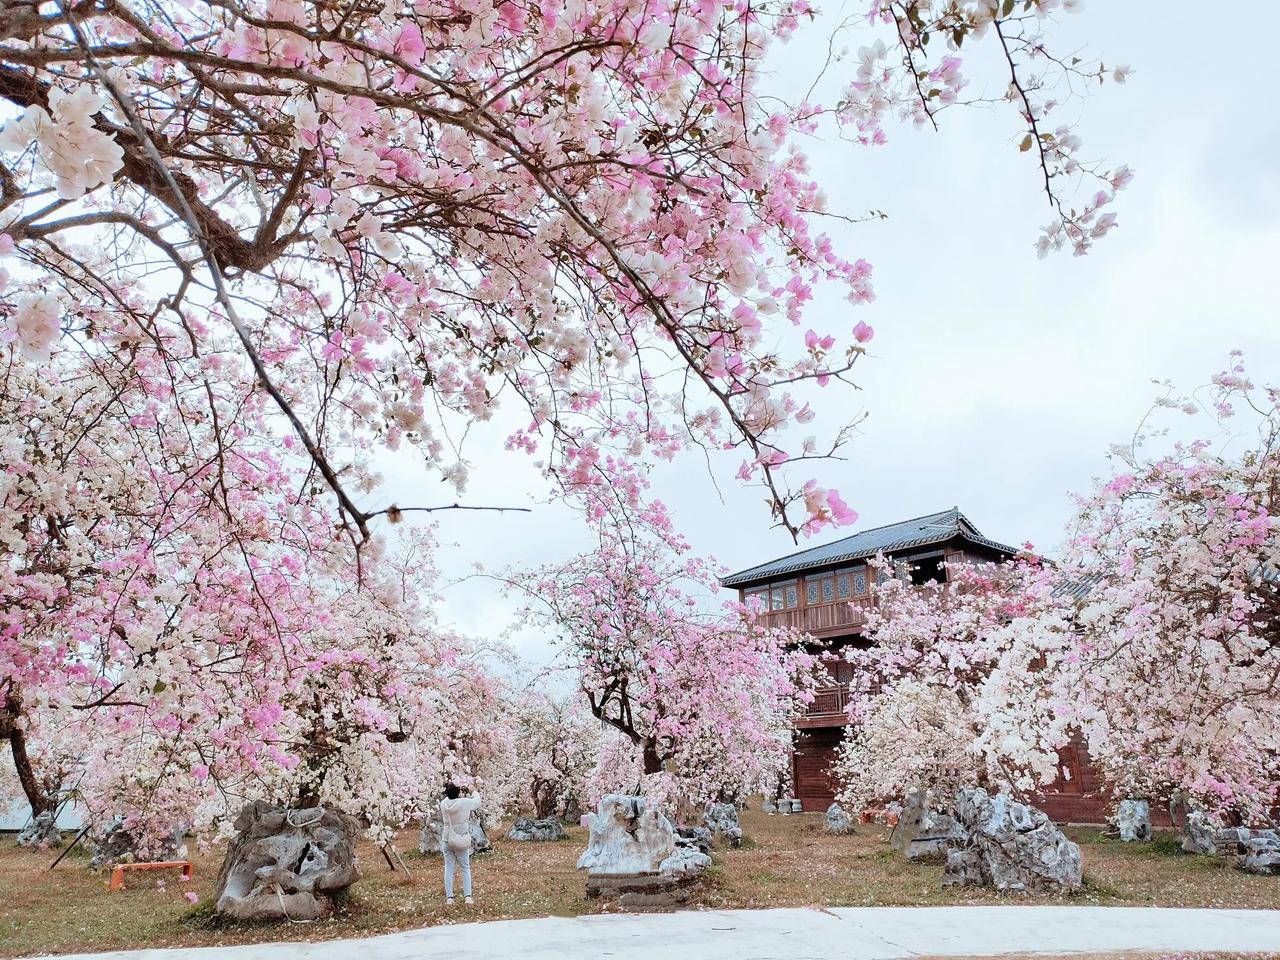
column 865, row 933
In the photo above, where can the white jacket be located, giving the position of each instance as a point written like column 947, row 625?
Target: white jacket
column 457, row 813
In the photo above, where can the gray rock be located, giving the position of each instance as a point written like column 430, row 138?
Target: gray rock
column 699, row 837
column 41, row 831
column 627, row 838
column 1198, row 833
column 837, row 821
column 1009, row 846
column 546, row 829
column 287, row 864
column 910, row 817
column 937, row 831
column 1132, row 820
column 120, row 844
column 429, row 836
column 769, row 807
column 686, row 860
column 1256, row 851
column 722, row 820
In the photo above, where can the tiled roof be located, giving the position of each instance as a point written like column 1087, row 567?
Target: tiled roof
column 895, row 537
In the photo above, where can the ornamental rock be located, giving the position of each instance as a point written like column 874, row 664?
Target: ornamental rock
column 42, row 831
column 123, row 844
column 287, row 864
column 722, row 820
column 1131, row 821
column 1255, row 851
column 525, row 829
column 837, row 821
column 1009, row 846
column 635, row 857
column 1198, row 833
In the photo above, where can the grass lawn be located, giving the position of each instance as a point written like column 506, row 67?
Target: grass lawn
column 786, row 862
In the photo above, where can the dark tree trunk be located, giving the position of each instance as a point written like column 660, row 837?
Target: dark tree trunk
column 11, row 726
column 652, row 761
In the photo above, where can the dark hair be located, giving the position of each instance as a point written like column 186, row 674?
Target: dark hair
column 451, row 791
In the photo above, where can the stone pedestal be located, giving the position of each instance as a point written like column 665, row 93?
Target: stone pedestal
column 640, row 891
column 935, row 833
column 287, row 864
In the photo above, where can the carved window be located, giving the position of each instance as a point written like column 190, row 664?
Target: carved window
column 811, row 592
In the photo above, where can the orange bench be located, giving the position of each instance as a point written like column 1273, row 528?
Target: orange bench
column 117, row 874
column 872, row 814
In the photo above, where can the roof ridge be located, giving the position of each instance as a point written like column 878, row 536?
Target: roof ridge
column 782, row 562
column 883, row 526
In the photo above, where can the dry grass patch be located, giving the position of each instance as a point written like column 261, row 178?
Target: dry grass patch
column 787, row 862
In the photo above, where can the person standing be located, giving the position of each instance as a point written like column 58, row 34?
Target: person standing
column 455, row 838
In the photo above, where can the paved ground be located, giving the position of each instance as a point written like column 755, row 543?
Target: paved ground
column 870, row 933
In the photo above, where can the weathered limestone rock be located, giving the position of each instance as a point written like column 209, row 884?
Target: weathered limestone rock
column 627, row 837
column 837, row 821
column 433, row 826
column 1257, row 851
column 287, row 864
column 635, row 856
column 525, row 829
column 686, row 860
column 936, row 832
column 1198, row 833
column 1131, row 821
column 722, row 820
column 1009, row 846
column 910, row 817
column 769, row 807
column 699, row 837
column 42, row 831
column 119, row 844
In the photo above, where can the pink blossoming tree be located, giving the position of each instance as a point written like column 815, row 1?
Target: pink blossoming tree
column 247, row 245
column 1158, row 635
column 705, row 701
column 917, row 707
column 557, row 743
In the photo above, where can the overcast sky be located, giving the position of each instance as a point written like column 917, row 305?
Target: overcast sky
column 996, row 381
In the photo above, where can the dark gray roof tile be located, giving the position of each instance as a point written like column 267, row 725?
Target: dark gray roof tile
column 892, row 538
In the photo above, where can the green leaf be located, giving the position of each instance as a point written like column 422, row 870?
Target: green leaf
column 1026, row 143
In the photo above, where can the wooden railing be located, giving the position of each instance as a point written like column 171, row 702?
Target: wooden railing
column 822, row 618
column 828, row 707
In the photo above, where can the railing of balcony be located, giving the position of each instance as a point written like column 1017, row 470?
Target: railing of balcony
column 822, row 618
column 829, row 701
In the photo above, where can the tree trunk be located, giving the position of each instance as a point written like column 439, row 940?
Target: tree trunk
column 652, row 762
column 10, row 723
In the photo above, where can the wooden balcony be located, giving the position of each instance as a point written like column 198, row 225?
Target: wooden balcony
column 824, row 619
column 828, row 708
